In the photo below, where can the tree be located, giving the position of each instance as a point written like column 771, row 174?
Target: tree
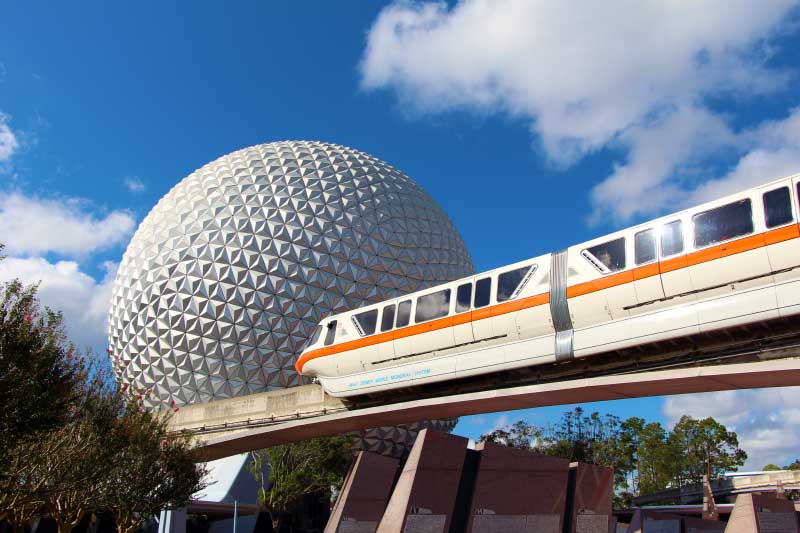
column 653, row 457
column 77, row 471
column 150, row 469
column 518, row 435
column 771, row 468
column 593, row 438
column 793, row 466
column 71, row 442
column 704, row 447
column 645, row 457
column 296, row 469
column 37, row 370
column 39, row 373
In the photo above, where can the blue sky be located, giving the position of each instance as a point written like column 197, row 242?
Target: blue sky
column 535, row 125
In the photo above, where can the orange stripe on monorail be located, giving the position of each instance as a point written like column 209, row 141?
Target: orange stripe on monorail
column 425, row 327
column 720, row 251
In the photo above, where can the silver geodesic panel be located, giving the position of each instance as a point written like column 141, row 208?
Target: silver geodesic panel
column 396, row 441
column 227, row 276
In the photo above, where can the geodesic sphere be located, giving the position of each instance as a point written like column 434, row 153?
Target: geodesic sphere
column 227, row 276
column 397, row 441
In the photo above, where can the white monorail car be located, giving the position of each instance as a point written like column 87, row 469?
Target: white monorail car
column 723, row 264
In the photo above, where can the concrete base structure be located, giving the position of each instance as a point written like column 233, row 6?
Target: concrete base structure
column 425, row 495
column 515, row 490
column 654, row 522
column 445, row 487
column 364, row 495
column 699, row 525
column 591, row 492
column 754, row 513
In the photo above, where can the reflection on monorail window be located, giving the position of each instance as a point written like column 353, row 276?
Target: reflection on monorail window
column 463, row 297
column 483, row 292
column 611, row 255
column 723, row 223
column 329, row 336
column 367, row 321
column 314, row 337
column 672, row 238
column 644, row 244
column 778, row 207
column 387, row 319
column 431, row 306
column 507, row 282
column 403, row 313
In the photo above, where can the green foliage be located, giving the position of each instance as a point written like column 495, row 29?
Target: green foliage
column 578, row 437
column 71, row 442
column 704, row 447
column 300, row 468
column 645, row 457
column 792, row 466
column 149, row 470
column 652, row 459
column 38, row 371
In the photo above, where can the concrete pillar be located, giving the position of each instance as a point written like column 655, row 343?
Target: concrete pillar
column 754, row 513
column 425, row 494
column 364, row 494
column 516, row 490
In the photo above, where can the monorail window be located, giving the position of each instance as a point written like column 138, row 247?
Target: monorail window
column 367, row 321
column 431, row 306
column 403, row 313
column 463, row 297
column 387, row 319
column 723, row 223
column 672, row 238
column 483, row 292
column 331, row 333
column 314, row 336
column 509, row 282
column 778, row 207
column 644, row 244
column 608, row 256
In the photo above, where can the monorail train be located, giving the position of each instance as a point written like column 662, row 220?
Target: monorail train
column 723, row 264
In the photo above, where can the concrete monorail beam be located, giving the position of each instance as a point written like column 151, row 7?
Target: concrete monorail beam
column 330, row 417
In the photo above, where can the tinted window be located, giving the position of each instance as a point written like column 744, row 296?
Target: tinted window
column 434, row 305
column 367, row 321
column 463, row 297
column 611, row 255
column 314, row 337
column 645, row 244
column 672, row 238
column 723, row 223
column 387, row 319
column 483, row 290
column 507, row 282
column 403, row 313
column 778, row 207
column 331, row 333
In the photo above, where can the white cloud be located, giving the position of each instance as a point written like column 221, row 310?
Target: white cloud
column 773, row 152
column 673, row 144
column 587, row 76
column 36, row 226
column 767, row 421
column 64, row 287
column 134, row 184
column 8, row 141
